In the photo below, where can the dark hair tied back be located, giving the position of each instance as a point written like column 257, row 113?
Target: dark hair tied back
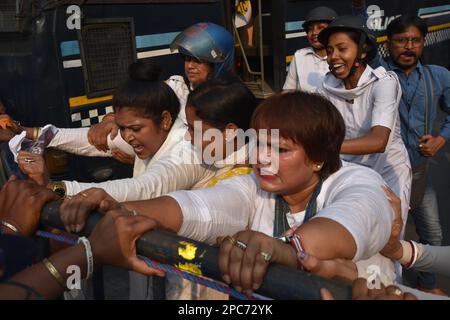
column 145, row 94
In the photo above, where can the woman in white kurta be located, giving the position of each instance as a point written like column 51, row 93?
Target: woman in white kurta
column 146, row 112
column 222, row 105
column 339, row 212
column 368, row 100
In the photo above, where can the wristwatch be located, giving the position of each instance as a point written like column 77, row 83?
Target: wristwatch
column 59, row 188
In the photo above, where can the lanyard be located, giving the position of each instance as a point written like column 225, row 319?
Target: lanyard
column 281, row 224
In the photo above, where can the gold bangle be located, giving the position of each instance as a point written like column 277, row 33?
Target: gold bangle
column 54, row 272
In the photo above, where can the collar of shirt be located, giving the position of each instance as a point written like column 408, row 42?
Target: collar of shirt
column 310, row 51
column 394, row 67
column 336, row 86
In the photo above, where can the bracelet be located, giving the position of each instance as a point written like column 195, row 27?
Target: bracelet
column 9, row 226
column 410, row 253
column 296, row 243
column 414, row 255
column 89, row 256
column 406, row 252
column 55, row 273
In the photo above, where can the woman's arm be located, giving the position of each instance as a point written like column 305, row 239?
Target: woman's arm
column 384, row 113
column 113, row 242
column 76, row 141
column 161, row 177
column 374, row 142
column 203, row 215
column 354, row 224
column 39, row 278
column 433, row 259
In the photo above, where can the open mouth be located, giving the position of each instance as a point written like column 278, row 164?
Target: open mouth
column 267, row 172
column 407, row 56
column 138, row 149
column 315, row 40
column 338, row 67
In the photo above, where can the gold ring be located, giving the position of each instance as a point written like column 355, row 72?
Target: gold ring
column 84, row 194
column 267, row 256
column 397, row 292
column 394, row 290
column 241, row 245
column 233, row 240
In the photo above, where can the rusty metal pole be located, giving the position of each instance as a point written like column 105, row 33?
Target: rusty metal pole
column 280, row 282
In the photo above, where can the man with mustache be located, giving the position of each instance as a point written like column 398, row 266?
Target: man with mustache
column 425, row 89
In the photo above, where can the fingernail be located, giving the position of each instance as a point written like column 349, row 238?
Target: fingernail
column 256, row 286
column 248, row 293
column 302, row 255
column 226, row 278
column 238, row 288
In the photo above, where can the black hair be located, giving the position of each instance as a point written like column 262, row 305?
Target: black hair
column 400, row 24
column 144, row 70
column 145, row 93
column 222, row 101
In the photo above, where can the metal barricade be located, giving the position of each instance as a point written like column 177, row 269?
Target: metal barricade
column 280, row 282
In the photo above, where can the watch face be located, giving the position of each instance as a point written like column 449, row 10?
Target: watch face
column 60, row 192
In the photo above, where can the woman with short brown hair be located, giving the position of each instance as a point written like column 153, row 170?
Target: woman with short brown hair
column 337, row 211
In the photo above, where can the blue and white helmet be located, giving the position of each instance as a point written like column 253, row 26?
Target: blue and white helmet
column 208, row 43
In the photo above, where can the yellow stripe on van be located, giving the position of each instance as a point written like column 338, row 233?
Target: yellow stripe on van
column 430, row 29
column 439, row 27
column 84, row 100
column 382, row 39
